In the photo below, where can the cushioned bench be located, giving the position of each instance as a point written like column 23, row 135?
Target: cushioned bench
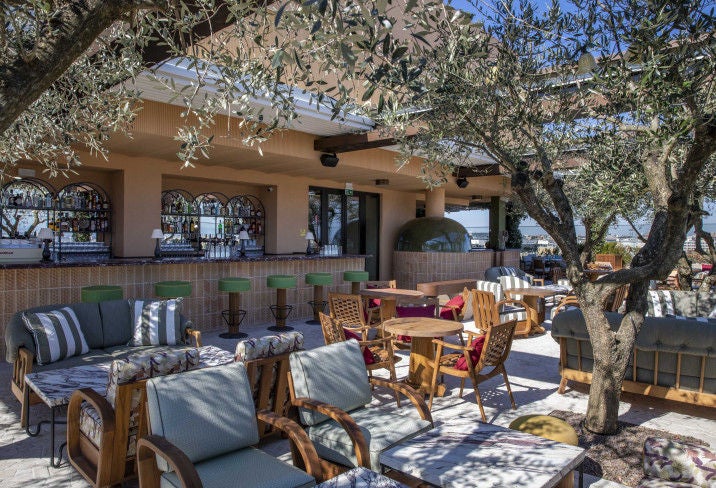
column 107, row 327
column 449, row 287
column 673, row 358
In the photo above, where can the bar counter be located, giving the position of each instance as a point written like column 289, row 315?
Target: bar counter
column 28, row 285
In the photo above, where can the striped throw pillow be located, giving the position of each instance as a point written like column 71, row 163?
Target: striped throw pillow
column 156, row 322
column 57, row 335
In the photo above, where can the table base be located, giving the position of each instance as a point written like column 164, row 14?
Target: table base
column 420, row 372
column 52, row 422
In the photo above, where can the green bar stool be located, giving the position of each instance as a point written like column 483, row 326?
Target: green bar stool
column 318, row 280
column 234, row 315
column 355, row 277
column 172, row 289
column 280, row 310
column 100, row 293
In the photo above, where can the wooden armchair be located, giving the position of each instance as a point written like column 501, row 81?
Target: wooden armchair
column 203, row 429
column 332, row 391
column 102, row 431
column 489, row 312
column 348, row 310
column 488, row 351
column 267, row 365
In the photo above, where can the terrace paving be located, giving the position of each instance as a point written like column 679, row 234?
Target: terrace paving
column 532, row 369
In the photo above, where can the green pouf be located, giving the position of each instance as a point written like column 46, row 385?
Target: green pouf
column 231, row 285
column 355, row 277
column 100, row 293
column 318, row 304
column 281, row 311
column 547, row 427
column 172, row 289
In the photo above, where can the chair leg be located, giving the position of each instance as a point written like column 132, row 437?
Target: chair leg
column 562, row 386
column 394, row 377
column 509, row 390
column 478, row 399
column 462, row 386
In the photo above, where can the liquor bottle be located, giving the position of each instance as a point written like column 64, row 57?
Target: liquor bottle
column 221, row 228
column 93, row 224
column 192, row 226
column 48, row 200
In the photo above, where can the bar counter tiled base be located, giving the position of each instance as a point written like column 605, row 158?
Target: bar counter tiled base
column 23, row 288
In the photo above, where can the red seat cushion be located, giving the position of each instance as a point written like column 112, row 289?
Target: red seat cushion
column 402, row 312
column 456, row 302
column 367, row 355
column 477, row 344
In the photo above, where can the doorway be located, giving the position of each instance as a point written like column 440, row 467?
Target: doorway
column 349, row 221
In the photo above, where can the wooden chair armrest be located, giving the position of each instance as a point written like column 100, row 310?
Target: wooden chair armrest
column 107, row 421
column 383, row 341
column 300, row 442
column 153, row 445
column 22, row 366
column 450, row 345
column 538, row 281
column 194, row 334
column 360, row 446
column 417, row 399
column 98, row 402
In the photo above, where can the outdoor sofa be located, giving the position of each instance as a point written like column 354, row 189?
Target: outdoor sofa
column 674, row 356
column 107, row 328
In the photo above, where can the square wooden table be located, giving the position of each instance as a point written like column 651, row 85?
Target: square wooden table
column 470, row 453
column 534, row 298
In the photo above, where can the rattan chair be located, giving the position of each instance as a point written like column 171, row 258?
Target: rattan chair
column 348, row 310
column 496, row 349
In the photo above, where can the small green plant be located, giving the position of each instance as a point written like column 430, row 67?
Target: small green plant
column 626, row 253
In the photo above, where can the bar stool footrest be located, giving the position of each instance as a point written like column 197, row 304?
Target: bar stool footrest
column 233, row 319
column 318, row 306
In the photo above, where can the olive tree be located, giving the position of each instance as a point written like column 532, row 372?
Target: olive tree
column 66, row 68
column 590, row 110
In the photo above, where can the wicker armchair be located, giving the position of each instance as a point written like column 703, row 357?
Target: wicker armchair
column 489, row 312
column 349, row 311
column 495, row 350
column 372, row 305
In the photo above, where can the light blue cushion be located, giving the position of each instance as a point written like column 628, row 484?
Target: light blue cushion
column 205, row 413
column 381, row 429
column 249, row 468
column 332, row 374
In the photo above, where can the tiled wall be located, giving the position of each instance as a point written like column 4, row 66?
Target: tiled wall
column 24, row 288
column 411, row 268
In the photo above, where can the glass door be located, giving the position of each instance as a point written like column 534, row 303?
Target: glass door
column 349, row 221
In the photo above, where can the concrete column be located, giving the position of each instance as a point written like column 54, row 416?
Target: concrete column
column 137, row 210
column 435, row 202
column 497, row 221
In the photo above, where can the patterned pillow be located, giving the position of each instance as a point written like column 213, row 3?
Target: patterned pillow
column 267, row 346
column 679, row 462
column 156, row 322
column 57, row 335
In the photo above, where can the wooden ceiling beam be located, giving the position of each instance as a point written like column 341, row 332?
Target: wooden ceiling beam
column 343, row 143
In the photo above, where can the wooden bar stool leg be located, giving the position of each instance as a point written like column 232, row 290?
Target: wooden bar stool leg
column 318, row 304
column 355, row 287
column 281, row 311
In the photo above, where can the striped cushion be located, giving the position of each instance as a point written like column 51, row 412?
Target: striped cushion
column 509, row 282
column 156, row 322
column 494, row 288
column 660, row 303
column 57, row 335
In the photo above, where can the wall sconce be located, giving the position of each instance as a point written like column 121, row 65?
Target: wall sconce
column 158, row 235
column 309, row 242
column 329, row 160
column 243, row 237
column 461, row 182
column 46, row 235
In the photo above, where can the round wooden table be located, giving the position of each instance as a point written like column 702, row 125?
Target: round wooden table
column 534, row 298
column 422, row 353
column 389, row 297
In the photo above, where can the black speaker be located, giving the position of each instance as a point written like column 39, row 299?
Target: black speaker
column 461, row 182
column 329, row 160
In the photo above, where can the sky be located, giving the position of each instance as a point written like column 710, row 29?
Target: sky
column 480, row 219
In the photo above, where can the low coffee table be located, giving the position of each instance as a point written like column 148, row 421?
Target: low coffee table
column 470, row 453
column 55, row 387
